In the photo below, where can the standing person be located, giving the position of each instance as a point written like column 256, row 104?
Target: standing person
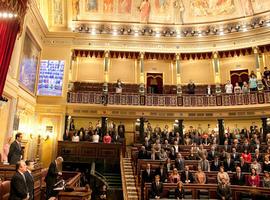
column 191, row 87
column 253, row 83
column 18, row 186
column 29, row 178
column 156, row 188
column 51, row 178
column 15, row 153
column 103, row 192
column 229, row 87
column 224, row 190
column 121, row 130
column 107, row 139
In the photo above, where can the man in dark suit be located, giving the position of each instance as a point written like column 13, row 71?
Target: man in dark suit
column 235, row 155
column 116, row 138
column 143, row 154
column 121, row 130
column 186, row 175
column 238, row 177
column 179, row 162
column 215, row 165
column 228, row 163
column 147, row 175
column 212, row 154
column 51, row 178
column 29, row 178
column 156, row 188
column 224, row 190
column 18, row 186
column 162, row 172
column 15, row 150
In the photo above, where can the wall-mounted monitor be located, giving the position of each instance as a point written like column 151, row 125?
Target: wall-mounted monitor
column 51, row 73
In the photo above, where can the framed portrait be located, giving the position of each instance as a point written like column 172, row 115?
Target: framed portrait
column 29, row 64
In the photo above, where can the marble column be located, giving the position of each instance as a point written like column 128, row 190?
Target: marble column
column 258, row 68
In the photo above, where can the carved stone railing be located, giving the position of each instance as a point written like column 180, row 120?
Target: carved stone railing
column 169, row 100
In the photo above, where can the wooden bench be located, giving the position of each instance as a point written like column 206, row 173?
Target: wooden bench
column 4, row 190
column 210, row 188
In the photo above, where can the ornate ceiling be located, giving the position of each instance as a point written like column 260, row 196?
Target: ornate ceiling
column 165, row 21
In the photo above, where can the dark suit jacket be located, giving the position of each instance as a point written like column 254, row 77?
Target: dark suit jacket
column 184, row 178
column 164, row 174
column 30, row 184
column 238, row 181
column 147, row 178
column 214, row 167
column 18, row 187
column 51, row 177
column 211, row 156
column 226, row 192
column 156, row 190
column 179, row 194
column 235, row 157
column 121, row 131
column 227, row 166
column 180, row 164
column 15, row 153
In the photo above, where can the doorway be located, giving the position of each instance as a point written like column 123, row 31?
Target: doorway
column 239, row 76
column 155, row 83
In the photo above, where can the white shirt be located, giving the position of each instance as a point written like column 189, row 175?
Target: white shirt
column 95, row 138
column 229, row 88
column 75, row 138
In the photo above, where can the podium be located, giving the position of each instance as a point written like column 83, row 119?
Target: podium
column 79, row 193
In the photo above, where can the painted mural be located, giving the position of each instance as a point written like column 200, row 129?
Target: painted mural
column 29, row 62
column 165, row 11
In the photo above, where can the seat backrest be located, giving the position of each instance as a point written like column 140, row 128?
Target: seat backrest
column 4, row 190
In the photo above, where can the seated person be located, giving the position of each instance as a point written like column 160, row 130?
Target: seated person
column 266, row 179
column 200, row 177
column 143, row 154
column 256, row 166
column 179, row 191
column 204, row 164
column 266, row 163
column 75, row 138
column 179, row 162
column 224, row 190
column 107, row 139
column 169, row 165
column 174, row 177
column 238, row 177
column 228, row 163
column 156, row 188
column 186, row 175
column 222, row 175
column 253, row 179
column 95, row 137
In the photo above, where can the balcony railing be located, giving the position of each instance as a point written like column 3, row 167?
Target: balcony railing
column 169, row 100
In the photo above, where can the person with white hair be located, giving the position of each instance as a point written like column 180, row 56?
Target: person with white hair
column 51, row 179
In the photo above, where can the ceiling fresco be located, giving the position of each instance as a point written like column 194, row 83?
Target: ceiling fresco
column 162, row 11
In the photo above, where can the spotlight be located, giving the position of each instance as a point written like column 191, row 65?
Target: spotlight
column 244, row 28
column 237, row 27
column 129, row 31
column 193, row 32
column 215, row 30
column 136, row 33
column 86, row 28
column 143, row 31
column 171, row 32
column 80, row 28
column 200, row 34
column 93, row 32
column 150, row 31
column 3, row 99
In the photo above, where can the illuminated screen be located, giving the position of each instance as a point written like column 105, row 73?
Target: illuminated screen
column 51, row 74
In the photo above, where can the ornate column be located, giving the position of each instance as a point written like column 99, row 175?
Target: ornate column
column 258, row 66
column 106, row 72
column 216, row 67
column 142, row 77
column 221, row 131
column 178, row 75
column 265, row 128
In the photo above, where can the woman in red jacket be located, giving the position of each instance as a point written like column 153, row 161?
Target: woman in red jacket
column 107, row 138
column 253, row 179
column 246, row 156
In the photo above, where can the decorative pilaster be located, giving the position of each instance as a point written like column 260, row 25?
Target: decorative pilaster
column 106, row 72
column 178, row 75
column 216, row 67
column 142, row 78
column 221, row 131
column 258, row 67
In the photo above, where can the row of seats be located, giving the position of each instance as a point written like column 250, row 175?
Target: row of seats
column 4, row 190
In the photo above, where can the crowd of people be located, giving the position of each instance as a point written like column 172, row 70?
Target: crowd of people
column 241, row 152
column 110, row 134
column 239, row 87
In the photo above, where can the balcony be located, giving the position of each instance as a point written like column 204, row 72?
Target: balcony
column 169, row 100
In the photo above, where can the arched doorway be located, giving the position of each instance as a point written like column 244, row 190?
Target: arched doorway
column 155, row 83
column 239, row 76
